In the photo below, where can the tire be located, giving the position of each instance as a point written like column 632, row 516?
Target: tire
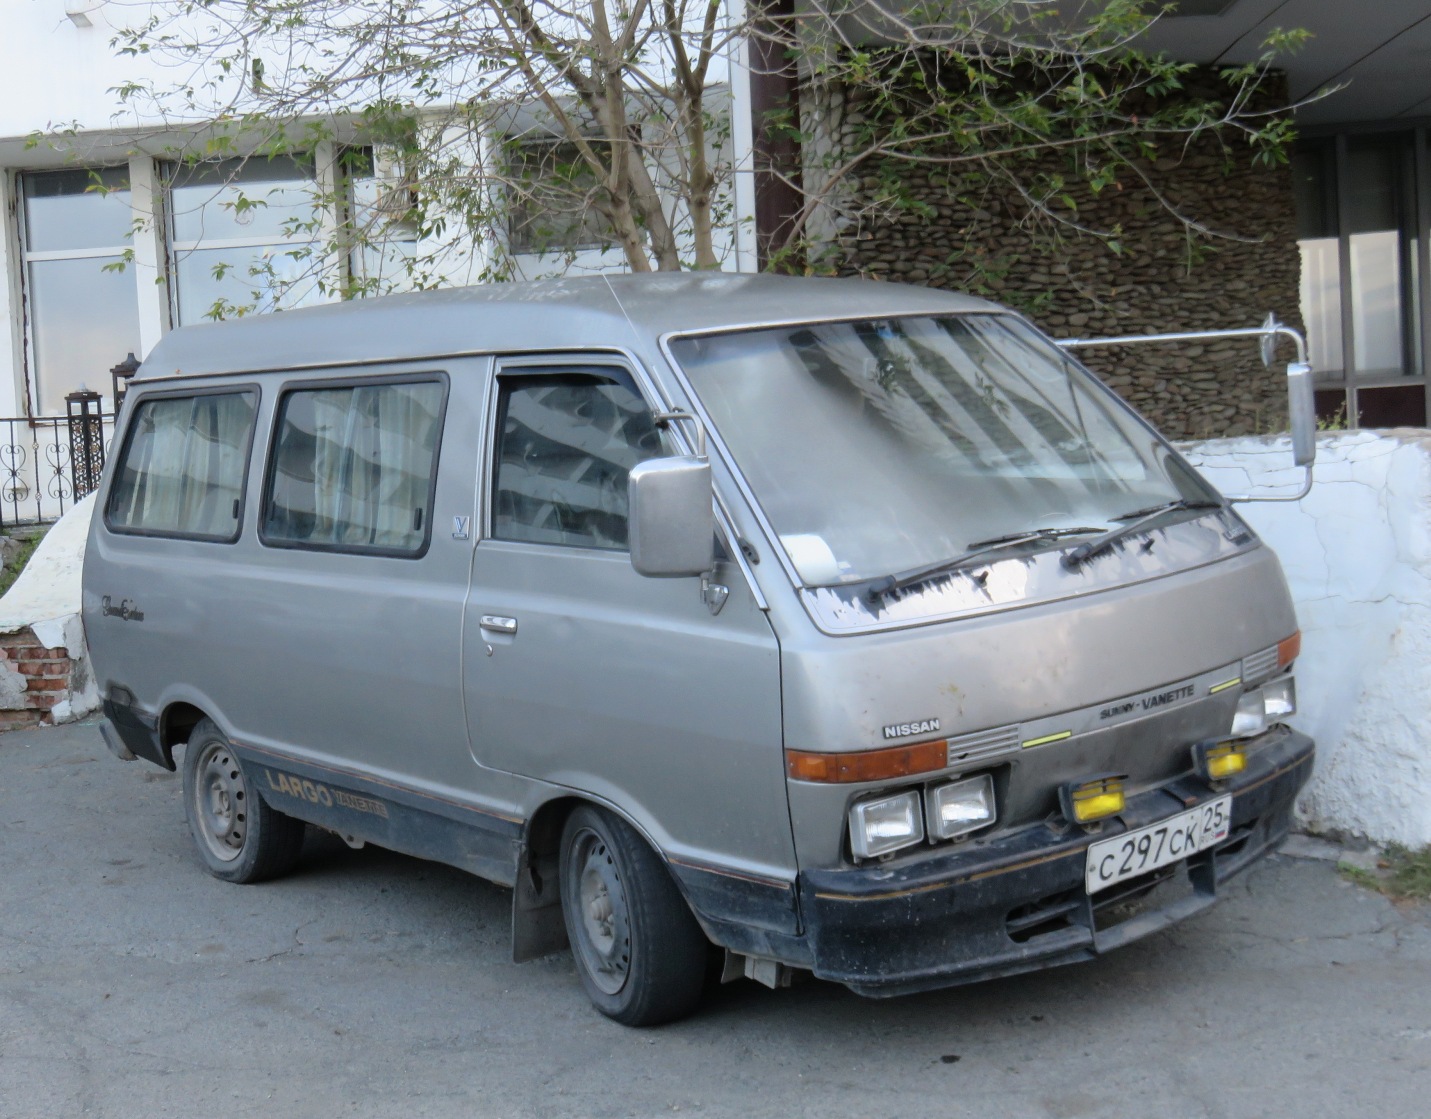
column 638, row 949
column 239, row 837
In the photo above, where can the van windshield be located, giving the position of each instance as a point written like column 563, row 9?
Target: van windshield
column 879, row 446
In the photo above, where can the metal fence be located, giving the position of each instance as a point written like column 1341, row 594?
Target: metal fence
column 49, row 463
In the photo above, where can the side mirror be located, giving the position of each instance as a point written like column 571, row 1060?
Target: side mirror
column 1302, row 413
column 671, row 526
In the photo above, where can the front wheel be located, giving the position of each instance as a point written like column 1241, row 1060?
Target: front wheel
column 639, row 951
column 239, row 837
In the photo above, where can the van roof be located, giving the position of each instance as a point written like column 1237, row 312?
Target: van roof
column 620, row 311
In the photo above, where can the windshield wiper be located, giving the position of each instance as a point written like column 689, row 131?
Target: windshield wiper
column 900, row 580
column 1136, row 520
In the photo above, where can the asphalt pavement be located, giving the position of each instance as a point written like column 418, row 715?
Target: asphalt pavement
column 370, row 984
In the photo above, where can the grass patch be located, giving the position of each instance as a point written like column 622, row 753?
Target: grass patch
column 1401, row 874
column 18, row 561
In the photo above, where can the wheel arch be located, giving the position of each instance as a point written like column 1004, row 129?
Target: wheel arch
column 537, row 925
column 176, row 722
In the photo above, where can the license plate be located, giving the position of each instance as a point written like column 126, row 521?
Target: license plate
column 1111, row 861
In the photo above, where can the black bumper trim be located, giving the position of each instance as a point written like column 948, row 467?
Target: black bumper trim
column 945, row 920
column 136, row 729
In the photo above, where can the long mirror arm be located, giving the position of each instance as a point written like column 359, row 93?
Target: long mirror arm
column 1301, row 403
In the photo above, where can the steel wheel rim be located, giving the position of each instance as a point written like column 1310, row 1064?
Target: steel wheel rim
column 603, row 929
column 220, row 802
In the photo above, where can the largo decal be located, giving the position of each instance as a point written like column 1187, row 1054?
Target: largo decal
column 315, row 792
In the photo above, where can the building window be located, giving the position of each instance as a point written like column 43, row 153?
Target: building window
column 1361, row 219
column 245, row 236
column 81, row 301
column 552, row 196
column 383, row 221
column 1314, row 176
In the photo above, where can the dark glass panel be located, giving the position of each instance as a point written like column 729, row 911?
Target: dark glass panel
column 1394, row 406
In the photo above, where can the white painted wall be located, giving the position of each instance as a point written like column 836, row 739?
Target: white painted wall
column 1357, row 554
column 56, row 74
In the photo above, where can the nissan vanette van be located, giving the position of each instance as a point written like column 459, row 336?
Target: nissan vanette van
column 849, row 628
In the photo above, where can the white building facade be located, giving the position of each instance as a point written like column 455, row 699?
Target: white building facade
column 113, row 235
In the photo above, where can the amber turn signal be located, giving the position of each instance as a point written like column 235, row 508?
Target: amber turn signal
column 1288, row 648
column 867, row 765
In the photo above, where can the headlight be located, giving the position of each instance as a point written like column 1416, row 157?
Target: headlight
column 962, row 807
column 1259, row 708
column 1250, row 718
column 878, row 827
column 1279, row 698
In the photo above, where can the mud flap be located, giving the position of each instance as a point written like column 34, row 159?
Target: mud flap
column 537, row 926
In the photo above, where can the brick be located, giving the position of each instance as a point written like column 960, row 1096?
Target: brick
column 47, row 684
column 19, row 720
column 41, row 701
column 56, row 668
column 43, row 668
column 42, row 654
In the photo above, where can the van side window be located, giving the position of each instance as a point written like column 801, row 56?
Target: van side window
column 182, row 470
column 352, row 468
column 567, row 442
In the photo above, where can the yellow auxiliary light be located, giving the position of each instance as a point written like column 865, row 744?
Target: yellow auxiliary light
column 1094, row 799
column 1217, row 761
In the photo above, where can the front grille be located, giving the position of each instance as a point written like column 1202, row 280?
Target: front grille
column 982, row 744
column 1259, row 666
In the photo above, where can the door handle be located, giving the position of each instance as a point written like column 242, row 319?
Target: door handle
column 498, row 624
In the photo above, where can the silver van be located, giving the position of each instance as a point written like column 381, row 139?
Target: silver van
column 850, row 628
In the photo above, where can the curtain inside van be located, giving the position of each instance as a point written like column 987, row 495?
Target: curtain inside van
column 353, row 466
column 183, row 468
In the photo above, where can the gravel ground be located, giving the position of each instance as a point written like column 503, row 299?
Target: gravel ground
column 132, row 984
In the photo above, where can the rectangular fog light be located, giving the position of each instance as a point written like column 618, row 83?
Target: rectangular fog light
column 1094, row 799
column 878, row 827
column 961, row 807
column 1217, row 761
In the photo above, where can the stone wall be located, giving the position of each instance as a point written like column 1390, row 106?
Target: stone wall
column 1165, row 279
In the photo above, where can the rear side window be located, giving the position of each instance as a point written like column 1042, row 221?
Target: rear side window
column 183, row 467
column 353, row 468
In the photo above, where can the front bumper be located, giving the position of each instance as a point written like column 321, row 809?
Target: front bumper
column 1019, row 903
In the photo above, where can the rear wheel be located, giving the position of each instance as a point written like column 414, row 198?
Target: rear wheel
column 639, row 951
column 239, row 837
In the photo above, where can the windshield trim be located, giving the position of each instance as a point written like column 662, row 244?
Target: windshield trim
column 1090, row 583
column 1237, row 547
